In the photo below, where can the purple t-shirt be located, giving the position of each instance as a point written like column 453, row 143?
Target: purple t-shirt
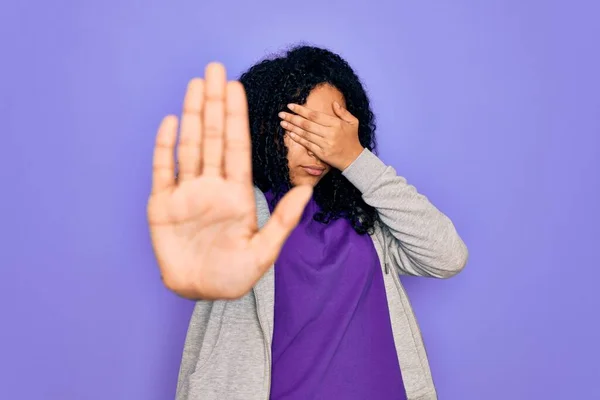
column 332, row 336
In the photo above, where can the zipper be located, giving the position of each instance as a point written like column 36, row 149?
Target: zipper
column 385, row 251
column 266, row 342
column 402, row 291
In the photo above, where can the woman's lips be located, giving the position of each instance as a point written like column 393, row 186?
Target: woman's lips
column 314, row 171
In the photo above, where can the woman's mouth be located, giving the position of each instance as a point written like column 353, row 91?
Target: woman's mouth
column 314, row 170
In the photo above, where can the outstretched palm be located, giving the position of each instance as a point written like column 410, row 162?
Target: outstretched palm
column 203, row 224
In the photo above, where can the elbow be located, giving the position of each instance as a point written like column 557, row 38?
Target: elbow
column 456, row 260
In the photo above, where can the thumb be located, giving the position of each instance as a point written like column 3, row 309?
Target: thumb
column 267, row 243
column 343, row 113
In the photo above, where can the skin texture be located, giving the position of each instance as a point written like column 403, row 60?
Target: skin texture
column 323, row 130
column 203, row 225
column 310, row 130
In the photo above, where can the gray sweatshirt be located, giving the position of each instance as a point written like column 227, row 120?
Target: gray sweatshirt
column 227, row 351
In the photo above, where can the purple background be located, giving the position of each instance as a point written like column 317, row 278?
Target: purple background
column 490, row 108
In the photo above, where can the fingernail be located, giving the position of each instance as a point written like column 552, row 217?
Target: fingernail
column 291, row 106
column 284, row 124
column 281, row 115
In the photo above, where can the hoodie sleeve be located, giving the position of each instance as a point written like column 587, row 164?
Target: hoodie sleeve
column 420, row 240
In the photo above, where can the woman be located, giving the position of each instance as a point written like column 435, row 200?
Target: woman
column 295, row 159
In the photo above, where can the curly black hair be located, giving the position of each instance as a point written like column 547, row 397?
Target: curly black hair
column 278, row 80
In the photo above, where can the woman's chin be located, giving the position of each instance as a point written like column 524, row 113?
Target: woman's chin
column 306, row 180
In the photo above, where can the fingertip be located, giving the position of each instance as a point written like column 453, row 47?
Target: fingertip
column 303, row 193
column 195, row 82
column 170, row 119
column 236, row 94
column 306, row 191
column 235, row 85
column 292, row 205
column 216, row 69
column 215, row 64
column 168, row 124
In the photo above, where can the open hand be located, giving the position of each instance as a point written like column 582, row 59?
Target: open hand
column 203, row 225
column 333, row 140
